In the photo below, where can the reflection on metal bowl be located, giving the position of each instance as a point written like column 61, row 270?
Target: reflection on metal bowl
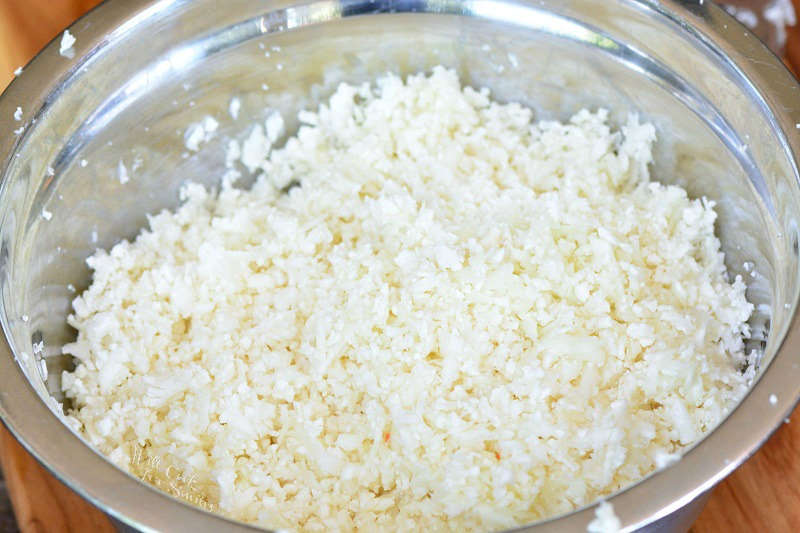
column 724, row 106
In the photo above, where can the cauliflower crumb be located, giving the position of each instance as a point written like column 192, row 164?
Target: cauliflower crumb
column 67, row 42
column 605, row 521
column 47, row 215
column 743, row 15
column 664, row 459
column 233, row 107
column 430, row 312
column 781, row 14
column 255, row 148
column 200, row 132
column 274, row 126
column 18, row 114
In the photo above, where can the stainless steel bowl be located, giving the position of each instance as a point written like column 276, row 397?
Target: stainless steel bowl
column 726, row 110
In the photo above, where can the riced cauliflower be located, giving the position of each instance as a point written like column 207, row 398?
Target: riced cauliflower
column 461, row 319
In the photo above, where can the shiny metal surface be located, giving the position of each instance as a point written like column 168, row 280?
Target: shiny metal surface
column 143, row 70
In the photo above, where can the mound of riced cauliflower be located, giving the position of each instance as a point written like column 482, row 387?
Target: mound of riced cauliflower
column 460, row 320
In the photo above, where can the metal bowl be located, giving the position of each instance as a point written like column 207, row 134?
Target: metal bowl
column 725, row 108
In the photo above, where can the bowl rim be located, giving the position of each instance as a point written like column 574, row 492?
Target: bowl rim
column 68, row 457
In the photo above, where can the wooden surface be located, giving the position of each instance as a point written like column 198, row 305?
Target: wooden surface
column 27, row 25
column 41, row 502
column 762, row 495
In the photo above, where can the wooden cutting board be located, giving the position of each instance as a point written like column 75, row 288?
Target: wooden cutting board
column 762, row 495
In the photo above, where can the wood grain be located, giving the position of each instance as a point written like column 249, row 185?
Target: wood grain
column 41, row 502
column 792, row 52
column 762, row 495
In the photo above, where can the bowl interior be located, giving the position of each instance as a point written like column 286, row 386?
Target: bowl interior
column 123, row 103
